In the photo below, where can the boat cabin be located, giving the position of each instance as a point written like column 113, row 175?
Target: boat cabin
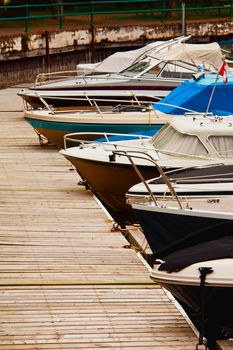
column 196, row 136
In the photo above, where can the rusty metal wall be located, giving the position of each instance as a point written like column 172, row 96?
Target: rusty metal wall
column 25, row 70
column 17, row 71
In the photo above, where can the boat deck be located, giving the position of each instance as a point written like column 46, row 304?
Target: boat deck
column 67, row 281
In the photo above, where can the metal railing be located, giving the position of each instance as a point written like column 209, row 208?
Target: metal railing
column 106, row 138
column 145, row 156
column 158, row 9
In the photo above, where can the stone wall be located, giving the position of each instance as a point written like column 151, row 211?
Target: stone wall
column 24, row 56
column 32, row 44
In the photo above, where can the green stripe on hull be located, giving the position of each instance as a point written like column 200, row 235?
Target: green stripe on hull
column 75, row 127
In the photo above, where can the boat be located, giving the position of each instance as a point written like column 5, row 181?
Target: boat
column 53, row 125
column 188, row 225
column 184, row 204
column 190, row 140
column 150, row 78
column 200, row 277
column 191, row 96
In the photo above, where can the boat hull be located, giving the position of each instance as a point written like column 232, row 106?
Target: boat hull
column 162, row 228
column 110, row 183
column 109, row 95
column 218, row 305
column 55, row 131
column 211, row 295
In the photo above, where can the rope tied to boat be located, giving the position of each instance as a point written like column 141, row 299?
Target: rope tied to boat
column 202, row 342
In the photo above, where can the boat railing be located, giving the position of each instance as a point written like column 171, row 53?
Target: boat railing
column 28, row 107
column 84, row 78
column 97, row 103
column 119, row 105
column 95, row 138
column 144, row 156
column 82, row 75
column 42, row 78
column 189, row 112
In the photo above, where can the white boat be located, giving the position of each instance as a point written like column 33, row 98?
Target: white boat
column 190, row 97
column 185, row 141
column 184, row 204
column 150, row 78
column 53, row 125
column 200, row 276
column 187, row 218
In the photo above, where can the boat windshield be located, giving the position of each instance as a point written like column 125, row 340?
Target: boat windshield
column 223, row 144
column 151, row 67
column 136, row 68
column 177, row 69
column 170, row 140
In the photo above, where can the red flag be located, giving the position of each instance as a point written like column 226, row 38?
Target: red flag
column 223, row 72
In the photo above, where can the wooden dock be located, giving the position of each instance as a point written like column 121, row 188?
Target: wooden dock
column 67, row 281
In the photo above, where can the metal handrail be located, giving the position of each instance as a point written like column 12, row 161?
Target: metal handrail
column 89, row 9
column 45, row 103
column 42, row 77
column 130, row 94
column 94, row 103
column 58, row 77
column 179, row 107
column 106, row 136
column 148, row 157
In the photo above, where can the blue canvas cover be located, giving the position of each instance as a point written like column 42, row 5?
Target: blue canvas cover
column 223, row 42
column 195, row 96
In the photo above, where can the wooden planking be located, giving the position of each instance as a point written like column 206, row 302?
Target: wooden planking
column 66, row 280
column 225, row 344
column 44, row 196
column 88, row 318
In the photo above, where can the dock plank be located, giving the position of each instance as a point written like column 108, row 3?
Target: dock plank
column 67, row 281
column 225, row 344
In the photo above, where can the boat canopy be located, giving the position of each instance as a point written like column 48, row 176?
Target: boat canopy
column 119, row 60
column 195, row 136
column 166, row 51
column 168, row 139
column 195, row 95
column 197, row 54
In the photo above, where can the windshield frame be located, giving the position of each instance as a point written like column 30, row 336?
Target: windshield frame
column 150, row 62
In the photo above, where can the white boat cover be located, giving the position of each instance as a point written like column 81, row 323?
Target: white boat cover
column 195, row 53
column 119, row 60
